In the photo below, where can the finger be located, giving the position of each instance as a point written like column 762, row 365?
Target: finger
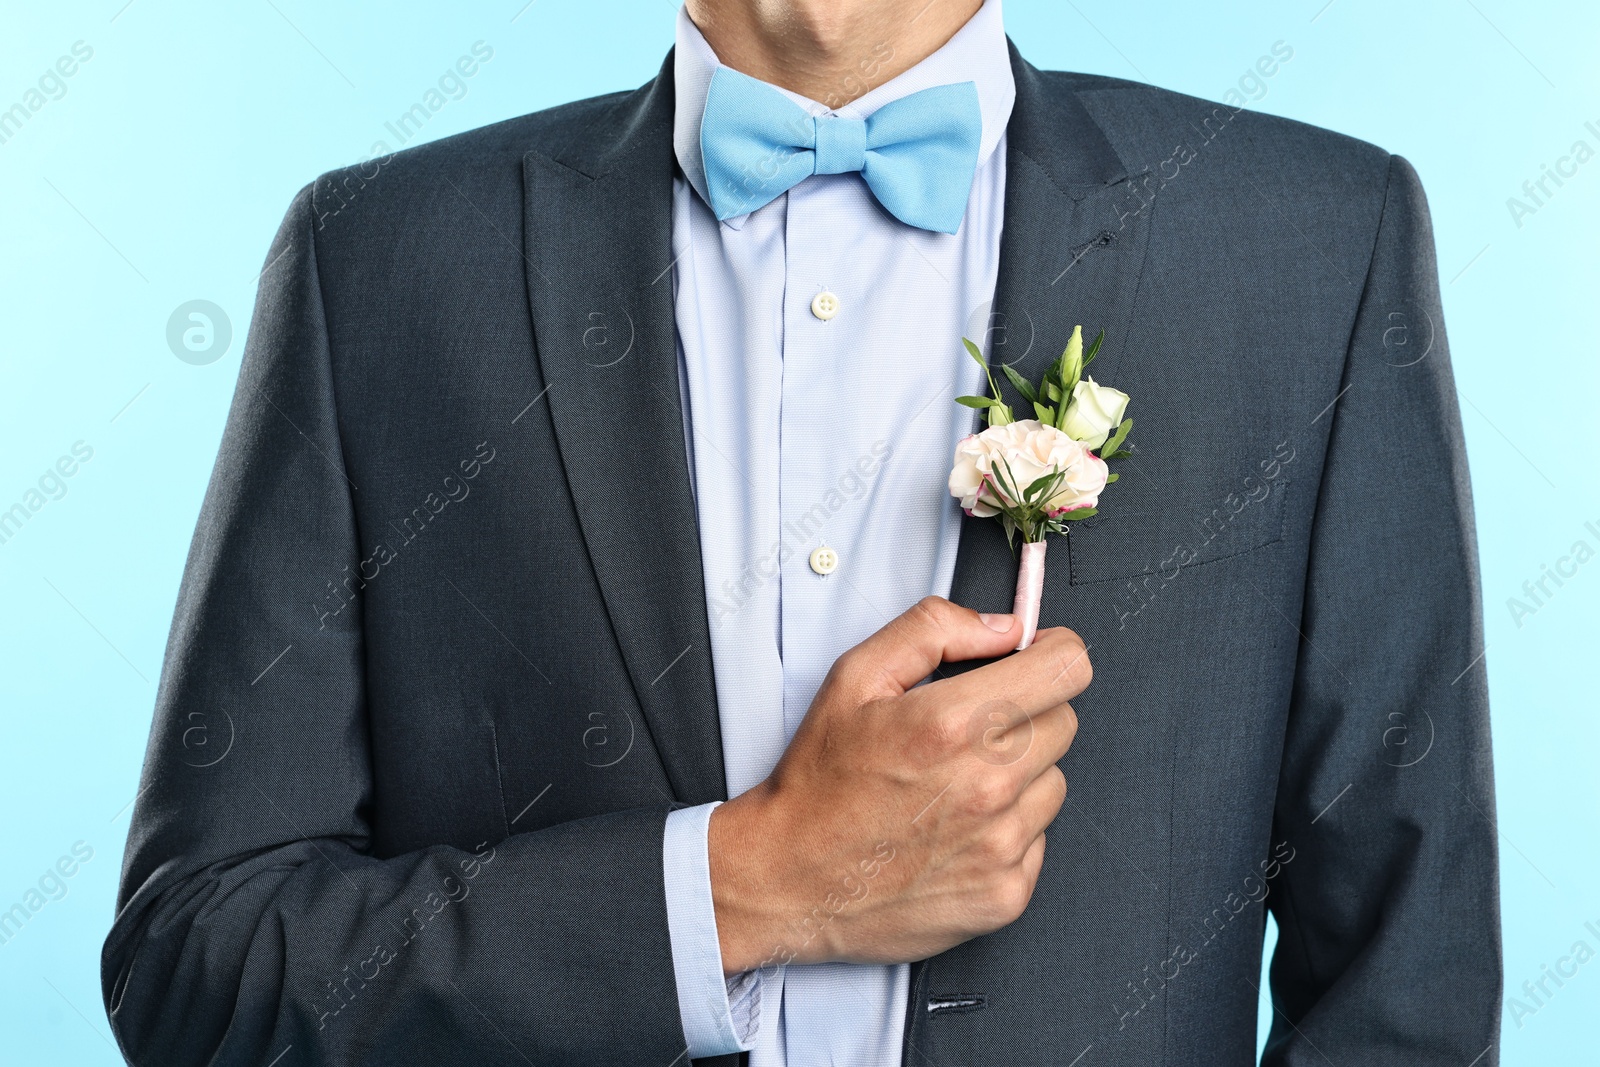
column 1049, row 735
column 931, row 632
column 1051, row 671
column 1041, row 801
column 1033, row 861
column 1025, row 749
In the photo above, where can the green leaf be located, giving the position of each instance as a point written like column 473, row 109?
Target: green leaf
column 1021, row 383
column 1094, row 348
column 977, row 401
column 1080, row 513
column 1046, row 415
column 1111, row 478
column 977, row 355
column 1040, row 484
column 1117, row 438
column 1121, row 454
column 1007, row 485
column 1052, row 390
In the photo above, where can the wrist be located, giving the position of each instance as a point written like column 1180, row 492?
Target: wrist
column 748, row 886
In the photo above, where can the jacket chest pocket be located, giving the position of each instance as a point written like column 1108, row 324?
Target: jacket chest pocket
column 1120, row 544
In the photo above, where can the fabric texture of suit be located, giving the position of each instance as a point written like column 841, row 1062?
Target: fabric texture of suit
column 447, row 569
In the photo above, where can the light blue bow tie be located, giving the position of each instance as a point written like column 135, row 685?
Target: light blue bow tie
column 917, row 154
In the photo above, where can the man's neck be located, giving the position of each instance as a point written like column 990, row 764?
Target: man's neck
column 831, row 51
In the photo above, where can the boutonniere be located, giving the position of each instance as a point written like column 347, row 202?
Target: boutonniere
column 1036, row 475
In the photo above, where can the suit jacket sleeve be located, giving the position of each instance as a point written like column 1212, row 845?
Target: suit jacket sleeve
column 1389, row 947
column 252, row 916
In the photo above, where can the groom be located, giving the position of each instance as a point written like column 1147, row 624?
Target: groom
column 589, row 470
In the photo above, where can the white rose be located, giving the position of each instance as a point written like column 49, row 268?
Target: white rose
column 1023, row 452
column 1093, row 412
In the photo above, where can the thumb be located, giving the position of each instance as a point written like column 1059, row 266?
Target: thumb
column 931, row 632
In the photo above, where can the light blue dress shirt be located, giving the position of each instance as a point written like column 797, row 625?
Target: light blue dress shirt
column 809, row 431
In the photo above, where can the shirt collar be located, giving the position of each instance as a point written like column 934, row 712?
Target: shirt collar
column 977, row 53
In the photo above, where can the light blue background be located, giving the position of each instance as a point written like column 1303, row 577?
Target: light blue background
column 162, row 172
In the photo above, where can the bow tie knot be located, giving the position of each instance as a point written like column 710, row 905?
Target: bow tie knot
column 841, row 144
column 917, row 154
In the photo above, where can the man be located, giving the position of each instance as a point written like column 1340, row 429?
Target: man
column 588, row 470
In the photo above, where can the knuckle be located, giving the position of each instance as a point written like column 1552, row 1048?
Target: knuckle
column 989, row 795
column 990, row 851
column 947, row 732
column 846, row 670
column 930, row 611
column 1012, row 896
column 1009, row 840
column 994, row 734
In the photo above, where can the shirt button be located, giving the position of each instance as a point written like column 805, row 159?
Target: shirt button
column 824, row 305
column 824, row 560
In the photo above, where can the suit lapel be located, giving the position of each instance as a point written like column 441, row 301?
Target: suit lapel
column 598, row 226
column 1071, row 253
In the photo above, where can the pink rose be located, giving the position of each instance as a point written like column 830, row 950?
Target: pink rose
column 1024, row 451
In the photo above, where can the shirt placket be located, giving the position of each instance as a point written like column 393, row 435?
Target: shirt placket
column 812, row 434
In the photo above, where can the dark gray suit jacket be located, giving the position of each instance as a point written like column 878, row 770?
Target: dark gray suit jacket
column 440, row 664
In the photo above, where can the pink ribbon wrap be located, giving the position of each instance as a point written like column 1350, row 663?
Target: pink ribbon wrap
column 1030, row 590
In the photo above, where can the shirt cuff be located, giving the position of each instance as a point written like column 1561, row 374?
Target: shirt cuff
column 720, row 1015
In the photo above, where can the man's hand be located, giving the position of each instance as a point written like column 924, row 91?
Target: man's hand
column 902, row 821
